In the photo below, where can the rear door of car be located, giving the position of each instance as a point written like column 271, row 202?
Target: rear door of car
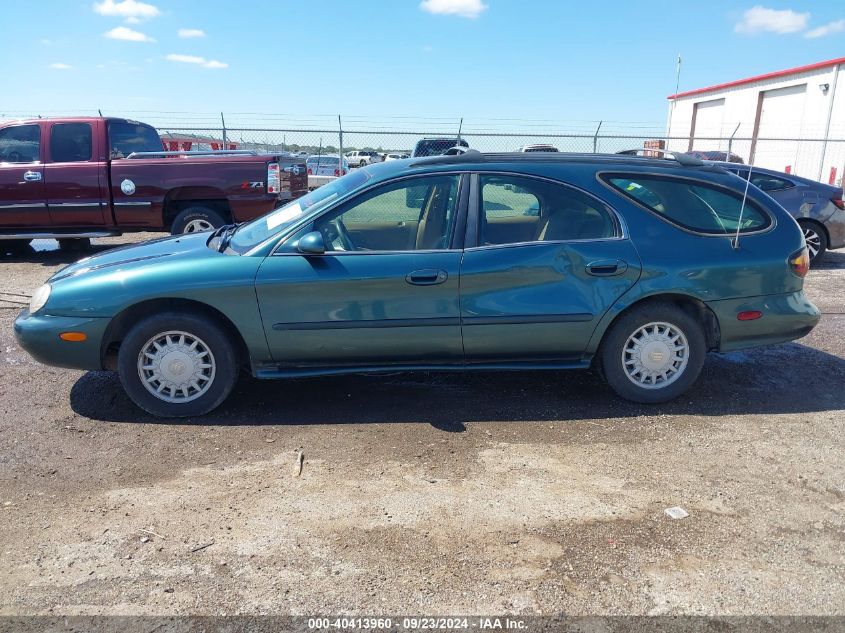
column 22, row 199
column 77, row 183
column 544, row 262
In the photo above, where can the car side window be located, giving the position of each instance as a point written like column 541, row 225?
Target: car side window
column 416, row 214
column 765, row 182
column 516, row 209
column 693, row 205
column 70, row 142
column 20, row 144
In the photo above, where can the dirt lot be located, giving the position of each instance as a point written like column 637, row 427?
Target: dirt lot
column 429, row 494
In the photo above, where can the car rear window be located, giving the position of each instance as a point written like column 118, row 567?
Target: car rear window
column 693, row 205
column 126, row 137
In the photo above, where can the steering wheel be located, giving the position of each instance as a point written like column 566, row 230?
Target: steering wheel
column 337, row 236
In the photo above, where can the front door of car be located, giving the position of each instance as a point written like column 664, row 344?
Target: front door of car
column 22, row 198
column 544, row 262
column 385, row 292
column 76, row 177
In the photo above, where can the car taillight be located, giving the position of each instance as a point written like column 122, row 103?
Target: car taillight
column 337, row 172
column 274, row 178
column 837, row 200
column 800, row 262
column 310, row 173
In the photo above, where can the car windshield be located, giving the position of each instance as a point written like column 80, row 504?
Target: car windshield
column 261, row 229
column 436, row 147
column 322, row 160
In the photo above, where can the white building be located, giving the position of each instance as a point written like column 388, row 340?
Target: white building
column 791, row 120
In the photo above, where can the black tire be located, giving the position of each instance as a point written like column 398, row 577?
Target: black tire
column 14, row 248
column 211, row 336
column 627, row 325
column 816, row 239
column 75, row 245
column 363, row 163
column 197, row 215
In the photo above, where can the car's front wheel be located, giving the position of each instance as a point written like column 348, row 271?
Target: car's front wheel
column 653, row 353
column 816, row 240
column 177, row 365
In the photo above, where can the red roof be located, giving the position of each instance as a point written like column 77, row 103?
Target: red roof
column 750, row 80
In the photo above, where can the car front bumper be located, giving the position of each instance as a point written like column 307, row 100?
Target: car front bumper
column 786, row 317
column 39, row 336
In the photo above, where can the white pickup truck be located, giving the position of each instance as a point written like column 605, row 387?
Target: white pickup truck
column 359, row 158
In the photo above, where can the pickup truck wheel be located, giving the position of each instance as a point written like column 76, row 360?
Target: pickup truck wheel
column 653, row 353
column 195, row 220
column 13, row 247
column 177, row 365
column 363, row 163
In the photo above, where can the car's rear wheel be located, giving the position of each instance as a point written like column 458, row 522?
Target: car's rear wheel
column 653, row 353
column 363, row 163
column 196, row 219
column 177, row 365
column 816, row 239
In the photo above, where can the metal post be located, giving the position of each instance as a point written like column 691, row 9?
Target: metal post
column 596, row 138
column 460, row 127
column 832, row 91
column 223, row 121
column 340, row 148
column 731, row 142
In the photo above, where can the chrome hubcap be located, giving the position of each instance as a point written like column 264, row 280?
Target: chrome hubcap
column 655, row 356
column 198, row 226
column 814, row 241
column 176, row 366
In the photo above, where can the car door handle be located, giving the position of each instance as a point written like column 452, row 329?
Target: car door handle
column 607, row 267
column 426, row 277
column 32, row 176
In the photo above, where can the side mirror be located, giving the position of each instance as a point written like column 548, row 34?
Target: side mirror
column 311, row 244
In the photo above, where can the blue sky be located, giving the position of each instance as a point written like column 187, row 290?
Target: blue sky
column 480, row 59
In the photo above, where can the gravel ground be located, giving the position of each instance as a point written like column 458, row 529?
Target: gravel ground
column 429, row 494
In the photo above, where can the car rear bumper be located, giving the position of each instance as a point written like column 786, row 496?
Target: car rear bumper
column 39, row 336
column 785, row 317
column 835, row 225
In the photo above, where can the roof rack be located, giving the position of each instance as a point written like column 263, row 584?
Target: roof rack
column 687, row 160
column 214, row 152
column 474, row 156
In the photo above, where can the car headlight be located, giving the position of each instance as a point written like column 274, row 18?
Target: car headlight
column 39, row 298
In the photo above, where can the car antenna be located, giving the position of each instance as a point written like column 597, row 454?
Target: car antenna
column 735, row 240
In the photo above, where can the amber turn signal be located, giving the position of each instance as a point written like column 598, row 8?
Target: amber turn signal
column 73, row 337
column 800, row 262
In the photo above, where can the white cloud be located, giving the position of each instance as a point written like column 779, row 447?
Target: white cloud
column 759, row 19
column 191, row 33
column 132, row 11
column 463, row 8
column 828, row 29
column 195, row 59
column 60, row 66
column 127, row 34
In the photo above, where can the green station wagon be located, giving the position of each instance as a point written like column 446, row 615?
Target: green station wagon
column 638, row 266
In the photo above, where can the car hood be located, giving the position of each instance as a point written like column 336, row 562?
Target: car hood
column 134, row 255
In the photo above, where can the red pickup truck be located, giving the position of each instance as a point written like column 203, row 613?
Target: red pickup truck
column 77, row 178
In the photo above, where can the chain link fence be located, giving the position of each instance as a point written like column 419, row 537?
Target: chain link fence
column 818, row 158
